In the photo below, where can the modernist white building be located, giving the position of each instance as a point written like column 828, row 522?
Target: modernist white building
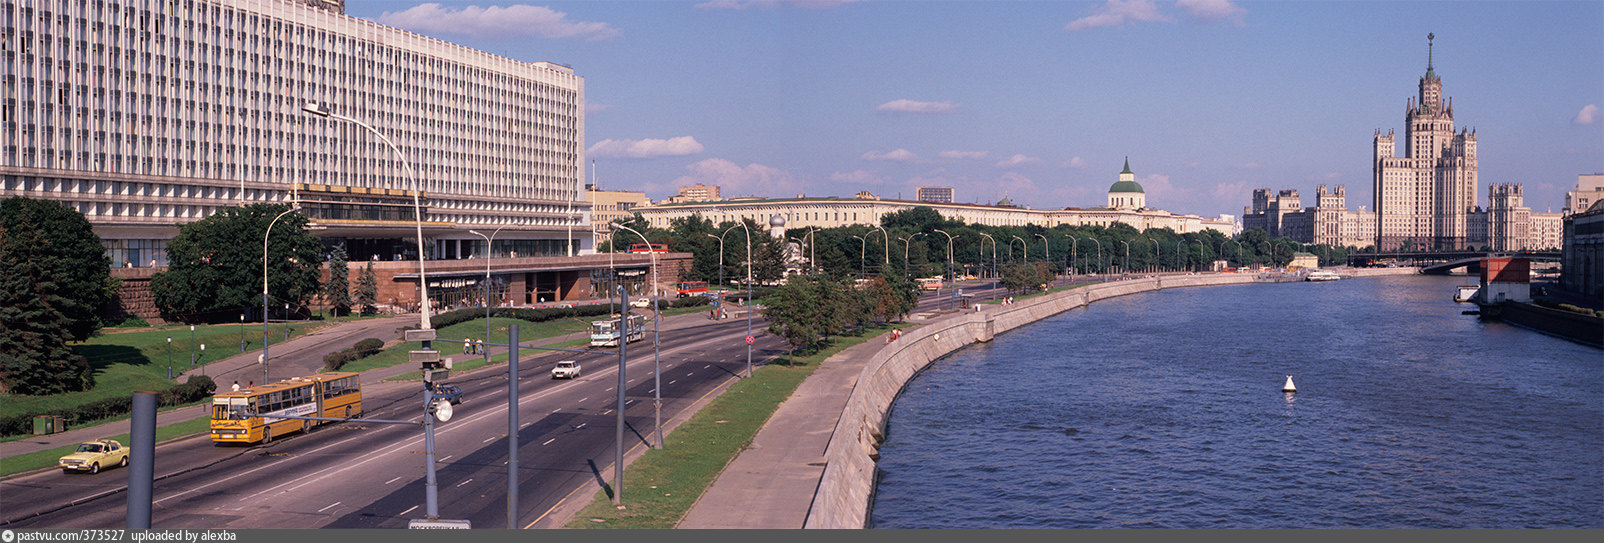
column 147, row 114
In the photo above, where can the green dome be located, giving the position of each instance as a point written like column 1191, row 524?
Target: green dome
column 1126, row 186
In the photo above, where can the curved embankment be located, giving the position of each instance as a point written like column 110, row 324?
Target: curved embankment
column 847, row 485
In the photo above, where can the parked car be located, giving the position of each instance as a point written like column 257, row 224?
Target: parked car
column 567, row 369
column 643, row 302
column 91, row 455
column 448, row 392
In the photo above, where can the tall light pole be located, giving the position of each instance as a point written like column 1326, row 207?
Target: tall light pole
column 430, row 485
column 863, row 247
column 1047, row 252
column 1073, row 253
column 1202, row 254
column 1022, row 245
column 993, row 252
column 1126, row 268
column 169, row 357
column 813, row 254
column 489, row 240
column 657, row 319
column 906, row 243
column 1100, row 267
column 949, row 252
column 749, row 302
column 720, row 258
column 269, row 230
column 887, row 260
column 1155, row 252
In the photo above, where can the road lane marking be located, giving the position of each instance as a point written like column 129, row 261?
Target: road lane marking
column 581, row 425
column 392, row 480
column 466, row 481
column 409, row 510
column 548, row 442
column 581, row 400
column 489, row 439
column 327, row 508
column 443, row 459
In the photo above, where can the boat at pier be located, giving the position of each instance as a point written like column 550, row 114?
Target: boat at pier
column 1323, row 275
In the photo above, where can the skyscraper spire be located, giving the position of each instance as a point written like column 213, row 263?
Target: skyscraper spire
column 1430, row 73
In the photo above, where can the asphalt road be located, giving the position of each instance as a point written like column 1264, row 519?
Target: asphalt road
column 370, row 475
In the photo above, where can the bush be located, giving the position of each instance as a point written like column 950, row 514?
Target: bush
column 369, row 346
column 365, row 348
column 690, row 301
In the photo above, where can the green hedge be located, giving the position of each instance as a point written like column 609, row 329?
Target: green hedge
column 198, row 387
column 365, row 348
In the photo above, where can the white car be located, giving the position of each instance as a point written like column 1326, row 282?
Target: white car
column 567, row 369
column 643, row 302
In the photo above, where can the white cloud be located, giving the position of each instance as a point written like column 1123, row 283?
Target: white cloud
column 743, row 4
column 680, row 146
column 1328, row 176
column 1588, row 115
column 911, row 106
column 1014, row 186
column 1238, row 192
column 857, row 177
column 592, row 107
column 516, row 20
column 899, row 155
column 1077, row 163
column 1017, row 160
column 1213, row 10
column 961, row 155
column 1118, row 13
column 736, row 180
column 1251, row 166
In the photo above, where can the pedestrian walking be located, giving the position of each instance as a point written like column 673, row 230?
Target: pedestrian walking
column 236, row 385
column 467, row 344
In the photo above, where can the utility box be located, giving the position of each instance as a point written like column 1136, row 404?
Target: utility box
column 49, row 424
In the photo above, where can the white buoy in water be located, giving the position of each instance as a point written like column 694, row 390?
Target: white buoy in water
column 1288, row 387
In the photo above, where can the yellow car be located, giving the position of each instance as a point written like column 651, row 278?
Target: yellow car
column 91, row 455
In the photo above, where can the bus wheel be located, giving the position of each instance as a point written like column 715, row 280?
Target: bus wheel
column 347, row 411
column 267, row 435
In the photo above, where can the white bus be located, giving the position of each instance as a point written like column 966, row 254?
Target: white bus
column 604, row 333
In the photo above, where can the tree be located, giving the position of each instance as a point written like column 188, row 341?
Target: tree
column 367, row 290
column 215, row 264
column 890, row 299
column 338, row 289
column 1023, row 276
column 800, row 311
column 34, row 330
column 61, row 243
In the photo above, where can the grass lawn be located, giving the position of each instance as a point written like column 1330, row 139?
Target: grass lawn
column 474, row 329
column 661, row 486
column 126, row 361
column 45, row 459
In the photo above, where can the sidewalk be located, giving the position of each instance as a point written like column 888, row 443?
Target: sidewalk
column 770, row 485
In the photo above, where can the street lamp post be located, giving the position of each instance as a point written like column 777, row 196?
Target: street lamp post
column 1126, row 268
column 489, row 241
column 906, row 243
column 269, row 230
column 1022, row 245
column 169, row 358
column 430, row 486
column 949, row 252
column 720, row 258
column 863, row 247
column 1047, row 251
column 1100, row 268
column 1072, row 254
column 657, row 318
column 886, row 262
column 1202, row 254
column 993, row 252
column 749, row 302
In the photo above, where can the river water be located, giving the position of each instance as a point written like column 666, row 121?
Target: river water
column 1165, row 410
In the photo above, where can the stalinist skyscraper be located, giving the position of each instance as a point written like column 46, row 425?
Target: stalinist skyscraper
column 1424, row 198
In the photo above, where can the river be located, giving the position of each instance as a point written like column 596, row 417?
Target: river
column 1165, row 410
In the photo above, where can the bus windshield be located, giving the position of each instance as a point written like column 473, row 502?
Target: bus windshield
column 230, row 409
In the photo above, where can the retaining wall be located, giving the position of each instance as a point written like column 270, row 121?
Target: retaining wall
column 847, row 485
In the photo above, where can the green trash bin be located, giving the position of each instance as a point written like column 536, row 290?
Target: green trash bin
column 44, row 424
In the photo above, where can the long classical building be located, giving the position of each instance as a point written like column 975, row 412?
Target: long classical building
column 1126, row 201
column 148, row 114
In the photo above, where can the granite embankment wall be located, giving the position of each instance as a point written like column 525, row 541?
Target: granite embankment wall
column 847, row 485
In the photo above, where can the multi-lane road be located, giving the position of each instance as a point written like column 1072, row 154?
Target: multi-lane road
column 366, row 475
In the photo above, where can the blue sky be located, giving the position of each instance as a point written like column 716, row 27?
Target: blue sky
column 1041, row 102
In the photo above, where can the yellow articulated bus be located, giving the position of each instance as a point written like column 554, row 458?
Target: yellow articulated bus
column 332, row 395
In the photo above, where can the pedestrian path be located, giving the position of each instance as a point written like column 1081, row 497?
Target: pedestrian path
column 770, row 485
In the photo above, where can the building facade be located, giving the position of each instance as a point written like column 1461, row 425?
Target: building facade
column 1589, row 189
column 1423, row 199
column 610, row 205
column 147, row 114
column 1328, row 222
column 934, row 195
column 867, row 209
column 696, row 193
column 1582, row 253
